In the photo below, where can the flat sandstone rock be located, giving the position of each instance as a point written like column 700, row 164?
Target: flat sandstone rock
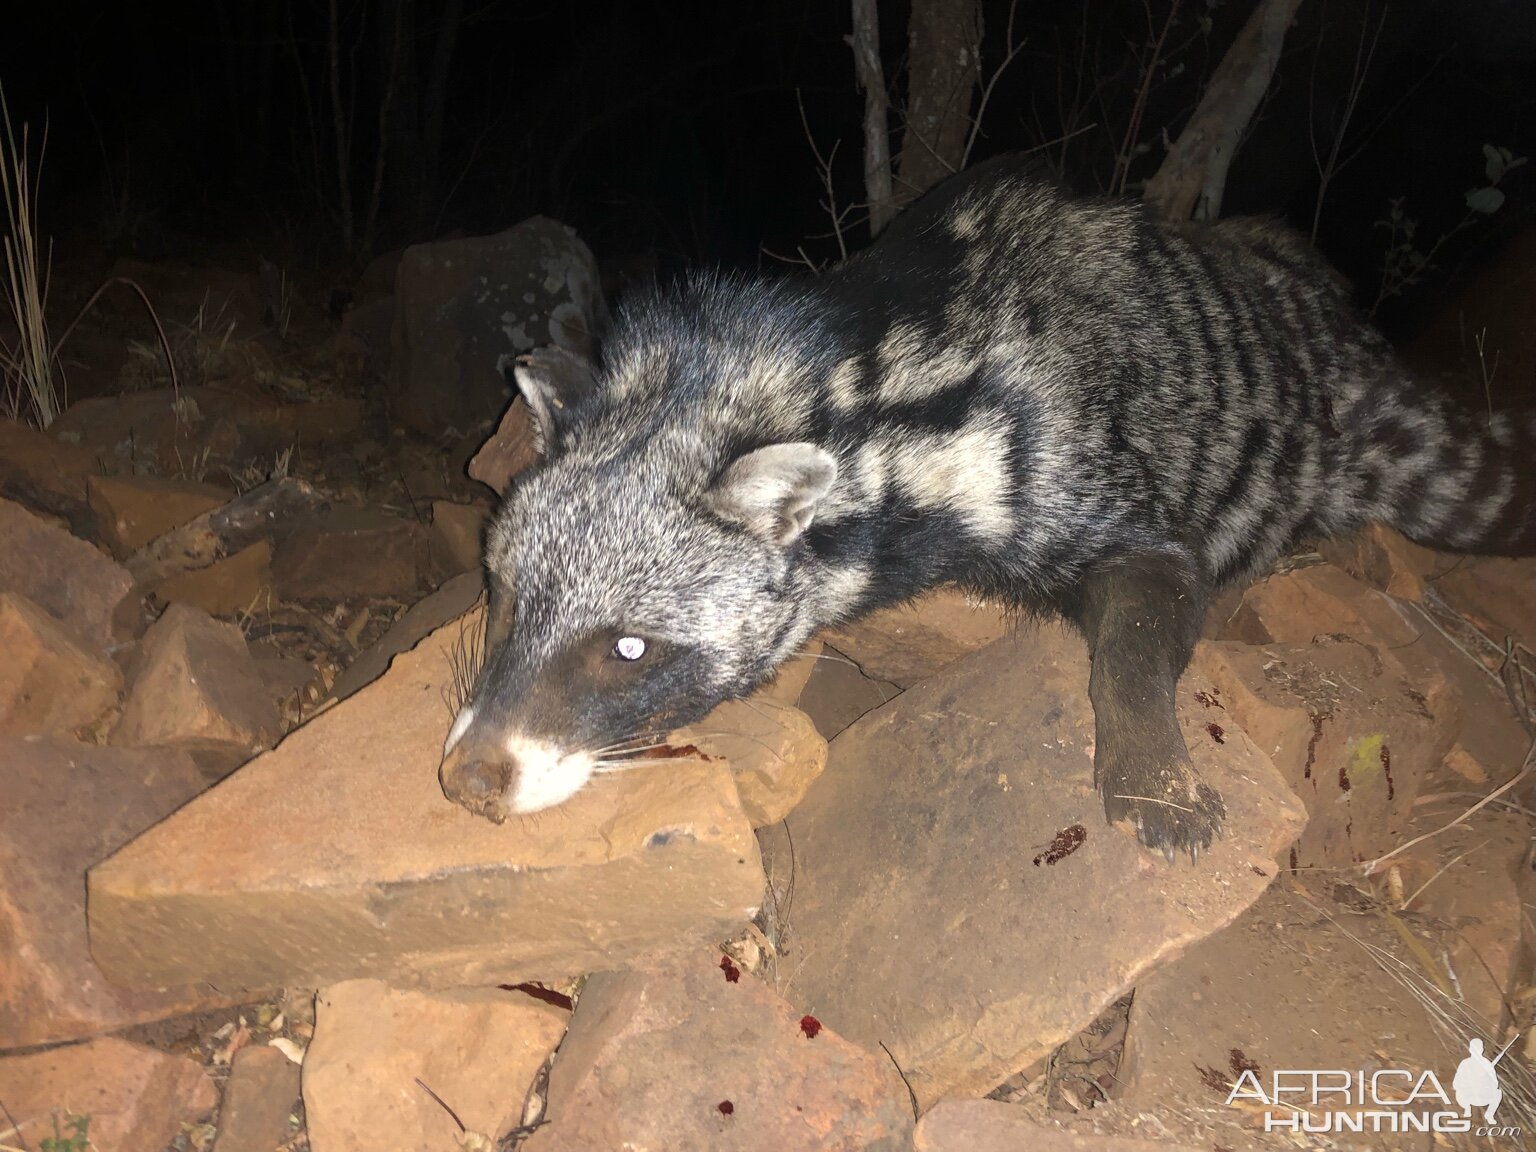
column 478, row 1047
column 337, row 856
column 65, row 806
column 134, row 1098
column 682, row 1056
column 992, row 1126
column 927, row 916
column 49, row 680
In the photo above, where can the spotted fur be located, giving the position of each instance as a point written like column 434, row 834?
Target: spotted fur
column 1066, row 405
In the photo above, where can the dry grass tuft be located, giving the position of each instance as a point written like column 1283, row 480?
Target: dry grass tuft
column 31, row 377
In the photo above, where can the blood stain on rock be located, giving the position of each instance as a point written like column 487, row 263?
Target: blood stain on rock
column 1066, row 842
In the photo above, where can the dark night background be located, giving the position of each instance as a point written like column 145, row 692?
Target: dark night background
column 669, row 134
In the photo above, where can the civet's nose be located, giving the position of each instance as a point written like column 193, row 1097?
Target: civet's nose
column 475, row 773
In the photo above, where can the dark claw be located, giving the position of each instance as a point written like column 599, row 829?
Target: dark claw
column 1186, row 823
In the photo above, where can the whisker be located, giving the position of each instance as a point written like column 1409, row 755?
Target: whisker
column 763, row 744
column 613, row 767
column 637, row 737
column 632, row 751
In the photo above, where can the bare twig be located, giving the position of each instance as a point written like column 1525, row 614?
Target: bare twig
column 15, row 1127
column 1362, row 66
column 454, row 1116
column 1123, row 159
column 824, row 166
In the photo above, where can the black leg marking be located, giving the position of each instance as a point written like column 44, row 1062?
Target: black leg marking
column 1141, row 621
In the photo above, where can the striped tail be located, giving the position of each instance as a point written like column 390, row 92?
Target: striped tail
column 1465, row 481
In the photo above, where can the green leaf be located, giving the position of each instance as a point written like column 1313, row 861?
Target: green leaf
column 1486, row 201
column 1496, row 163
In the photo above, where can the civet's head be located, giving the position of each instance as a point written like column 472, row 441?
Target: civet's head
column 639, row 575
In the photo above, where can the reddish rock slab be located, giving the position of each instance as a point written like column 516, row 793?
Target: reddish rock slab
column 350, row 553
column 1319, row 604
column 336, row 855
column 66, row 806
column 1350, row 732
column 461, row 304
column 261, row 1093
column 66, row 577
column 449, row 603
column 1498, row 595
column 170, row 432
column 268, row 427
column 509, row 451
column 45, row 474
column 908, row 642
column 774, row 752
column 158, row 430
column 679, row 1056
column 457, row 532
column 49, row 681
column 196, row 688
column 793, row 675
column 932, row 911
column 993, row 1126
column 133, row 510
column 235, row 584
column 477, row 1048
column 1386, row 560
column 135, row 1098
column 1477, row 869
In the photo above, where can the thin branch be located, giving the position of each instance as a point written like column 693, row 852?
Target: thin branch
column 1122, row 172
column 824, row 164
column 986, row 92
column 1362, row 67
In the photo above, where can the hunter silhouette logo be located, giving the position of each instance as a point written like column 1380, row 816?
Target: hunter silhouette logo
column 1477, row 1083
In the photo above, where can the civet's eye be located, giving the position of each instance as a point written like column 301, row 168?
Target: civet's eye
column 629, row 648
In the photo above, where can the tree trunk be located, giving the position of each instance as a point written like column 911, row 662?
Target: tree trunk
column 943, row 73
column 877, row 128
column 1192, row 179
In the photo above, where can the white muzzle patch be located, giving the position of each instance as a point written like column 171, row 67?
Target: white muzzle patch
column 461, row 724
column 545, row 776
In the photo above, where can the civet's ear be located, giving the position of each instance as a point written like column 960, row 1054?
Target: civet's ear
column 554, row 382
column 773, row 492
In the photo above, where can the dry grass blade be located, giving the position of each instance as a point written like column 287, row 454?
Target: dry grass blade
column 1370, row 866
column 30, row 368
